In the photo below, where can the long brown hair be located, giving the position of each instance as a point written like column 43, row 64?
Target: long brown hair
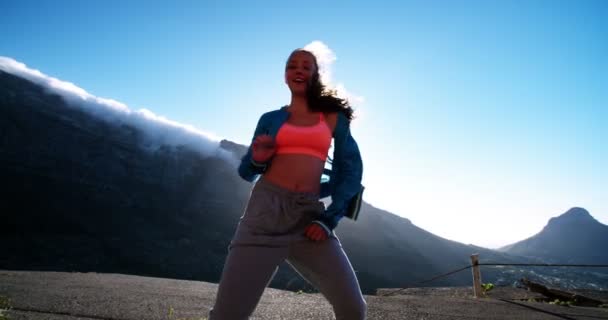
column 320, row 98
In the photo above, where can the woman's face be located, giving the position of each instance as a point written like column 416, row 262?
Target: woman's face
column 299, row 72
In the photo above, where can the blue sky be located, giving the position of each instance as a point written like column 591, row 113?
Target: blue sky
column 478, row 120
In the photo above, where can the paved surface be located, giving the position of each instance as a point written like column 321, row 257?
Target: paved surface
column 86, row 296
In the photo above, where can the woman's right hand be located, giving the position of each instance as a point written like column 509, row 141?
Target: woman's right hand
column 263, row 148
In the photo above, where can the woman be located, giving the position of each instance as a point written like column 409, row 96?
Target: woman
column 284, row 219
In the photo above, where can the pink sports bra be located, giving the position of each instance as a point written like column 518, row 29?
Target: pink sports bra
column 310, row 140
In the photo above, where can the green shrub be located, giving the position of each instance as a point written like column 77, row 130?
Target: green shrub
column 562, row 303
column 487, row 287
column 5, row 305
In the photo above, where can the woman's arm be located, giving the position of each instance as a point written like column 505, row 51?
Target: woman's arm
column 248, row 168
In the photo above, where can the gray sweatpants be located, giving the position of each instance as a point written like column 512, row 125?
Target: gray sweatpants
column 271, row 231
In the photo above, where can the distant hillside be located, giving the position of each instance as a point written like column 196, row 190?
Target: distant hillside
column 573, row 237
column 84, row 194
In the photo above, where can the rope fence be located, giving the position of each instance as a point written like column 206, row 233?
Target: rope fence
column 477, row 277
column 545, row 265
column 426, row 281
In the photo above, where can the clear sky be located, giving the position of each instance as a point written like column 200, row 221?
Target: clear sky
column 477, row 120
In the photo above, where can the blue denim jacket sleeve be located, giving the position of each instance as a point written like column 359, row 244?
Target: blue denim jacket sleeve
column 345, row 176
column 249, row 169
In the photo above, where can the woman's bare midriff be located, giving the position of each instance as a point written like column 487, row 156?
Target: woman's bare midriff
column 296, row 172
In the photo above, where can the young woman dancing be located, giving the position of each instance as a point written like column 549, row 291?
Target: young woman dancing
column 284, row 218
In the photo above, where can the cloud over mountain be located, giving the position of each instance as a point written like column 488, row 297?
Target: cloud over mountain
column 158, row 131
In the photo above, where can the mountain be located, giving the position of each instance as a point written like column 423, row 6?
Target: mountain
column 574, row 237
column 83, row 193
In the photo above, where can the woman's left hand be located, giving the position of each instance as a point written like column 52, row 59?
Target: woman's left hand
column 315, row 232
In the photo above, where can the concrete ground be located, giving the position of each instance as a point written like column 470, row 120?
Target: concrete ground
column 70, row 296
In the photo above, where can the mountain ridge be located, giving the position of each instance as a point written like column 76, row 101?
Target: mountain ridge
column 567, row 238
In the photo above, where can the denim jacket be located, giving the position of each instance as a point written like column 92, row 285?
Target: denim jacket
column 344, row 176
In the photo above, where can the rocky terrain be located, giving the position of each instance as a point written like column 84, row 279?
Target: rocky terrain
column 68, row 296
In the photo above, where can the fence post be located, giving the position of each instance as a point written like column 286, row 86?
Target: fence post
column 476, row 276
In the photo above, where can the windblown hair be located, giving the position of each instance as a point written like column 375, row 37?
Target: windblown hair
column 320, row 98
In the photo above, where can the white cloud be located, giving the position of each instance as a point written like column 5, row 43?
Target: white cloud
column 326, row 58
column 158, row 131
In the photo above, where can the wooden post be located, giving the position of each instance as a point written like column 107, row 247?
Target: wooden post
column 476, row 276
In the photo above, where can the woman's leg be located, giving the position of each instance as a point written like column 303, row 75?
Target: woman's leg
column 253, row 258
column 247, row 272
column 325, row 265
